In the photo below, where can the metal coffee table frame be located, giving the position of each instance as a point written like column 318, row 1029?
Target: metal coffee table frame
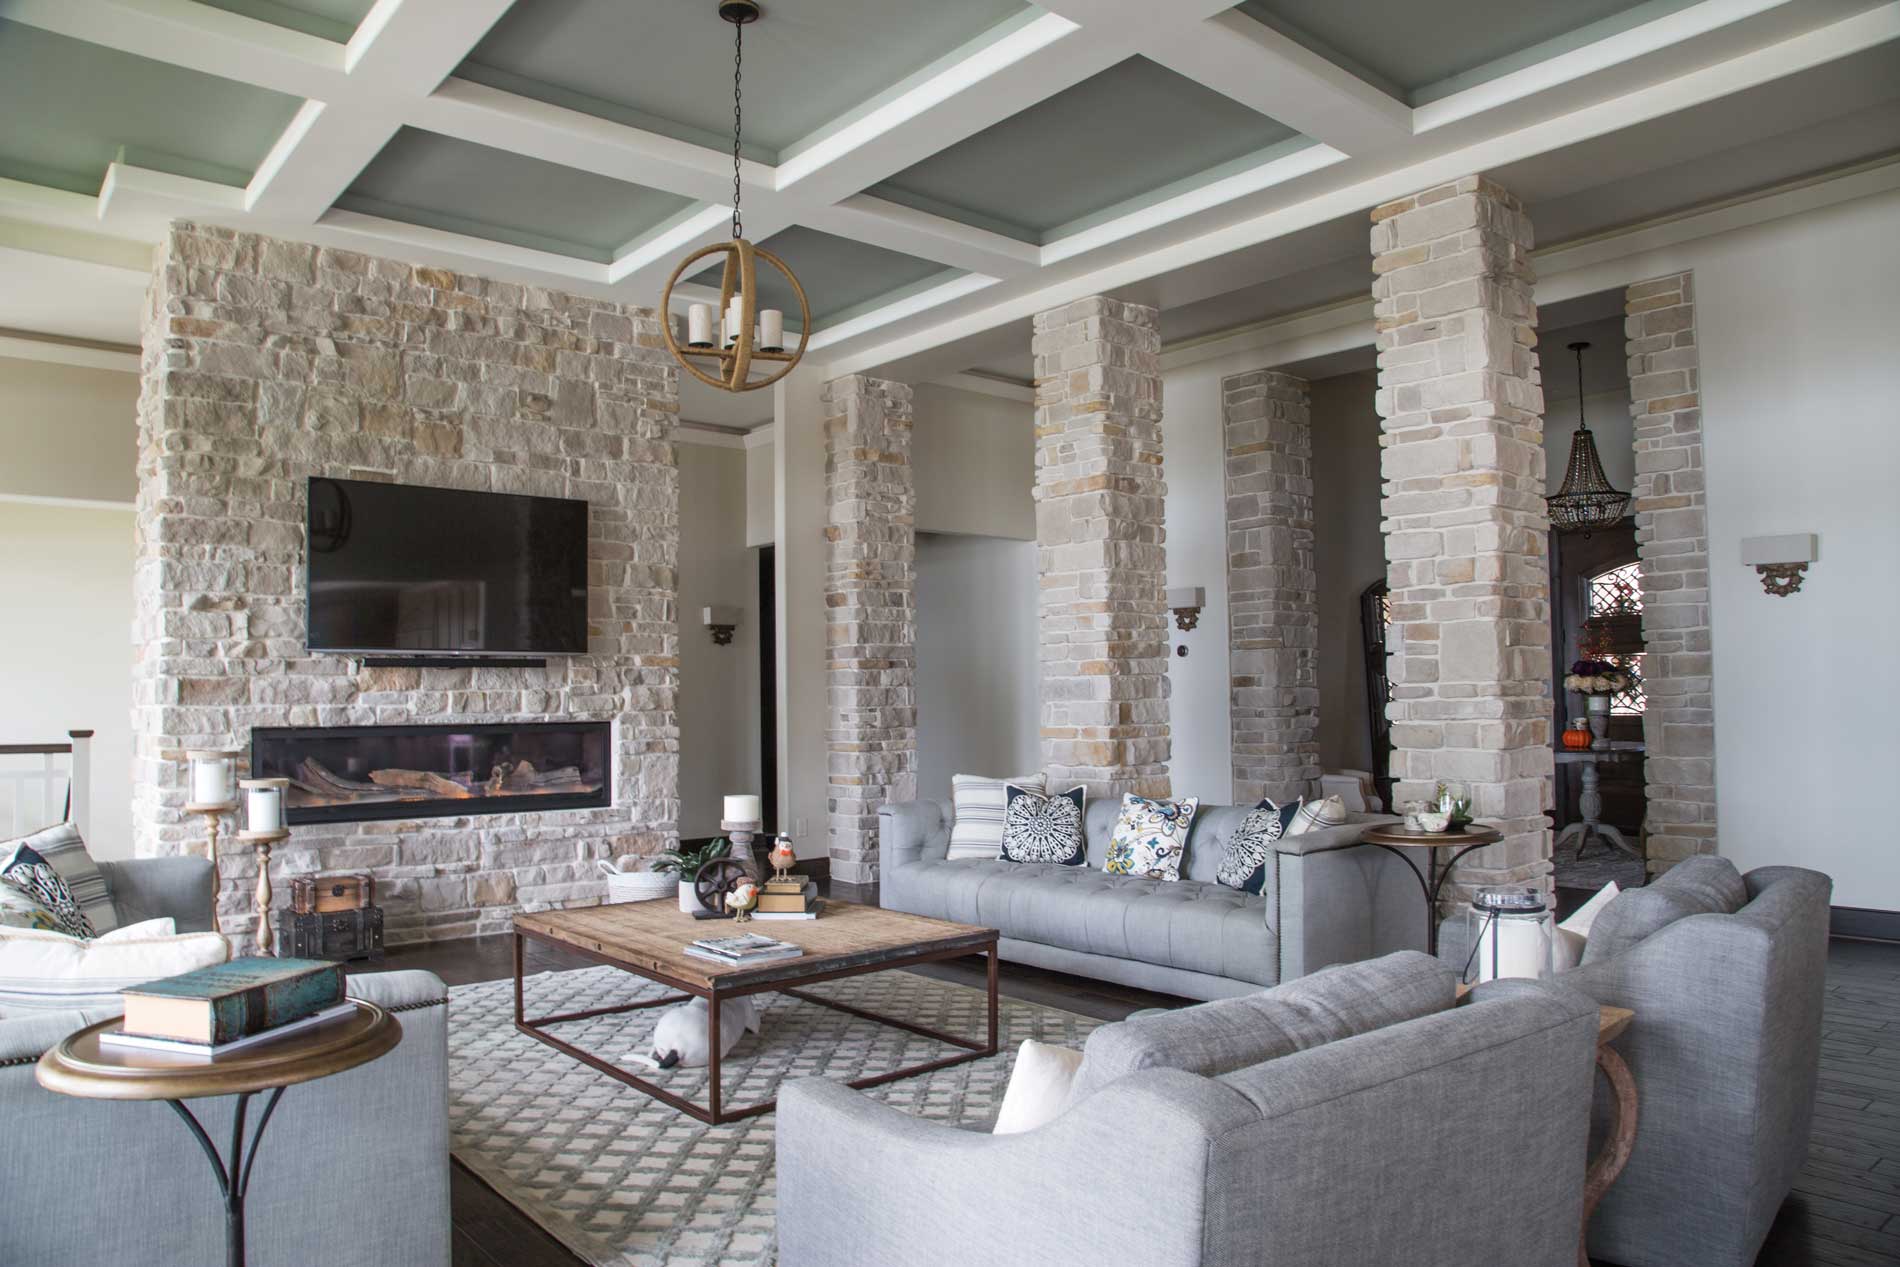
column 715, row 1113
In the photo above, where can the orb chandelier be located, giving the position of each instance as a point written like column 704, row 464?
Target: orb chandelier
column 1586, row 501
column 723, row 345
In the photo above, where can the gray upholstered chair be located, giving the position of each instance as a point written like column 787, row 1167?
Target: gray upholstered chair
column 354, row 1169
column 1726, row 974
column 1454, row 1138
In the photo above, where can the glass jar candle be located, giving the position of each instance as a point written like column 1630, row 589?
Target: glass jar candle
column 213, row 776
column 264, row 804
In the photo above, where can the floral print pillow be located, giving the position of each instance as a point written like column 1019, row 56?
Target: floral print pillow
column 1038, row 828
column 1150, row 837
column 1250, row 848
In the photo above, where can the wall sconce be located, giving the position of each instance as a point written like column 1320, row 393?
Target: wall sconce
column 1186, row 602
column 722, row 621
column 1782, row 561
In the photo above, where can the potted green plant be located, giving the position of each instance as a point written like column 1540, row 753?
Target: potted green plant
column 686, row 862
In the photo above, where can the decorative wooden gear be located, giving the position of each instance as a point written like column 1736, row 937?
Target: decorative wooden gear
column 715, row 878
column 735, row 362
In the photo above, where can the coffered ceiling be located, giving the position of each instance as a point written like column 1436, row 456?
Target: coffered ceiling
column 932, row 171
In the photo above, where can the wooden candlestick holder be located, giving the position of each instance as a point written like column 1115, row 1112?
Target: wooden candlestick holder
column 262, row 841
column 742, row 833
column 213, row 812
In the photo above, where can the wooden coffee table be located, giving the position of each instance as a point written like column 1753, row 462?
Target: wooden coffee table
column 648, row 940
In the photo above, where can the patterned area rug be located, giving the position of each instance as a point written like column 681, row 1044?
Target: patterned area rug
column 624, row 1181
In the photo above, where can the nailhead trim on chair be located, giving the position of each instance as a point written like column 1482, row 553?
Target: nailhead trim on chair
column 20, row 1060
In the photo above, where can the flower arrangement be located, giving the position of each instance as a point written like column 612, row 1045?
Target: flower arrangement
column 1598, row 677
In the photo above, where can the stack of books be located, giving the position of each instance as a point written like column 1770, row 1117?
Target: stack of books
column 746, row 948
column 794, row 897
column 230, row 1006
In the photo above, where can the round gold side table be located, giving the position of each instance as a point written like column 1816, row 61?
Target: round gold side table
column 79, row 1066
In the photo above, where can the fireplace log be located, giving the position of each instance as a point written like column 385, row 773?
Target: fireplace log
column 419, row 780
column 315, row 777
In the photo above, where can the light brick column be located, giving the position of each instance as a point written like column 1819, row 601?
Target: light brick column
column 1099, row 494
column 1672, row 541
column 1272, row 589
column 1465, row 523
column 871, row 615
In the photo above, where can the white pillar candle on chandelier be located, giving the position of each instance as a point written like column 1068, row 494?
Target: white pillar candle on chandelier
column 772, row 330
column 213, row 776
column 699, row 331
column 735, row 317
column 742, row 809
column 264, row 804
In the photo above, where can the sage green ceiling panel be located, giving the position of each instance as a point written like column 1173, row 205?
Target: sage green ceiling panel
column 444, row 183
column 838, row 274
column 1133, row 129
column 1419, row 52
column 666, row 65
column 326, row 19
column 71, row 107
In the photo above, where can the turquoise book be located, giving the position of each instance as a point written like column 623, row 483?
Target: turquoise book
column 232, row 1000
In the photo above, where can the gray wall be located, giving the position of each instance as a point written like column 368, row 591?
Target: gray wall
column 976, row 660
column 1348, row 554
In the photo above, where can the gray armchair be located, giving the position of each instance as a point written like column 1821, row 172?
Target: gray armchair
column 353, row 1171
column 1725, row 1051
column 1452, row 1139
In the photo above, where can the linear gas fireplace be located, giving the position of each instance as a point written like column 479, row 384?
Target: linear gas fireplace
column 352, row 773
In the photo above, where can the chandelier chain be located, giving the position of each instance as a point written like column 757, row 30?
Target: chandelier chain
column 738, row 53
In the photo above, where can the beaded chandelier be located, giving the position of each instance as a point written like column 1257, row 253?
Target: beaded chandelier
column 1586, row 501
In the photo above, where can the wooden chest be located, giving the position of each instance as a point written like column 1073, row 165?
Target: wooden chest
column 322, row 894
column 340, row 935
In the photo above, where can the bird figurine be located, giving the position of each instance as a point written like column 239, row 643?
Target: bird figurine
column 741, row 899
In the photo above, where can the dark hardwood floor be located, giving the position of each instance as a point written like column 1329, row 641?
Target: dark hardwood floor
column 1844, row 1212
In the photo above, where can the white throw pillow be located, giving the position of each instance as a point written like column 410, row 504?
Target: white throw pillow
column 144, row 930
column 41, row 971
column 1314, row 815
column 1038, row 1086
column 1574, row 933
column 978, row 804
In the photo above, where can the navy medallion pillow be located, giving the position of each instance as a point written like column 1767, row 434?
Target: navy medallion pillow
column 1250, row 848
column 1039, row 828
column 26, row 871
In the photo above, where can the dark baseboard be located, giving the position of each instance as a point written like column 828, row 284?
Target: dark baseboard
column 818, row 869
column 1868, row 925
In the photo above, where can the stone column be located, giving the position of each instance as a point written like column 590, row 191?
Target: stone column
column 1272, row 596
column 1465, row 523
column 871, row 615
column 1099, row 495
column 1672, row 541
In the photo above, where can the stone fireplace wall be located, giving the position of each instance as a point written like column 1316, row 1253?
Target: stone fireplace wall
column 267, row 362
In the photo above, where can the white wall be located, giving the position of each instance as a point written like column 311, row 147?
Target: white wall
column 1193, row 453
column 760, row 497
column 977, row 663
column 66, row 646
column 974, row 460
column 68, row 432
column 1348, row 555
column 719, row 686
column 799, row 521
column 1801, row 426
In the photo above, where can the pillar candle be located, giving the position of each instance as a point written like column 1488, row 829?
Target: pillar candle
column 742, row 809
column 264, row 808
column 772, row 330
column 699, row 326
column 735, row 314
column 210, row 779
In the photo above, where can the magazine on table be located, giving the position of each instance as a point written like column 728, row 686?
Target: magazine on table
column 744, row 948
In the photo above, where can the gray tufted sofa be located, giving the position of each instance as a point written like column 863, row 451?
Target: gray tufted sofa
column 1327, row 899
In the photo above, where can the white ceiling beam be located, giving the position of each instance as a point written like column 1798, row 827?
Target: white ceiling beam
column 894, row 227
column 403, row 48
column 197, row 37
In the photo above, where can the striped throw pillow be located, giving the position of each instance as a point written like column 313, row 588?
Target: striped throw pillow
column 977, row 831
column 43, row 972
column 53, row 868
column 1314, row 815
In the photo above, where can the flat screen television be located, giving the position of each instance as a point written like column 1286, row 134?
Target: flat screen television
column 399, row 569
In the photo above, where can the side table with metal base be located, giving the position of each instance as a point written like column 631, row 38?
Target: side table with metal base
column 1398, row 840
column 80, row 1066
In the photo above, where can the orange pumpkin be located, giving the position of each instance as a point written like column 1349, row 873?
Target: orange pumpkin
column 1577, row 737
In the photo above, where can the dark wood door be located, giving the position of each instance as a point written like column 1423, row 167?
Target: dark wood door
column 1575, row 562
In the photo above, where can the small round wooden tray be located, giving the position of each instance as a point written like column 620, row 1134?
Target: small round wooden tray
column 79, row 1066
column 1399, row 835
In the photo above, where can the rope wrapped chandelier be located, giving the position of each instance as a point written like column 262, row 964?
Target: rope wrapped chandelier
column 746, row 335
column 1587, row 500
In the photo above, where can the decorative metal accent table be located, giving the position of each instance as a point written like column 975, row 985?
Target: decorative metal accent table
column 79, row 1066
column 1590, row 799
column 1397, row 840
column 649, row 939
